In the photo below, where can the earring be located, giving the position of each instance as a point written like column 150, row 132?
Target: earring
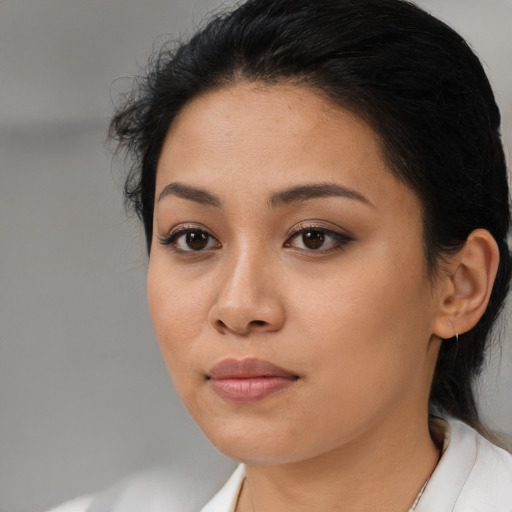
column 456, row 353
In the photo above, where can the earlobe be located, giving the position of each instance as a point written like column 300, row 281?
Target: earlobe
column 467, row 285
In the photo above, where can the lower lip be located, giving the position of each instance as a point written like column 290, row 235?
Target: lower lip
column 250, row 390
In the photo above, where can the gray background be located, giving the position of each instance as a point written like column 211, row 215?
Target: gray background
column 84, row 396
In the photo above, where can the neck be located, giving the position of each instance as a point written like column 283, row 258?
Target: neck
column 383, row 470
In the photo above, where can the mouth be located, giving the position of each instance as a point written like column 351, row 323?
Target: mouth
column 245, row 381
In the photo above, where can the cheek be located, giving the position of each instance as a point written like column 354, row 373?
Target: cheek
column 369, row 321
column 178, row 311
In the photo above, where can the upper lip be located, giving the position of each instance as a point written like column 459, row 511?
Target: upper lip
column 248, row 368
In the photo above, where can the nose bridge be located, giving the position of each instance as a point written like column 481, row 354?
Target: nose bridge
column 244, row 274
column 246, row 299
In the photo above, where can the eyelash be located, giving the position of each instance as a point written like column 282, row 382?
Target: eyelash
column 339, row 240
column 173, row 237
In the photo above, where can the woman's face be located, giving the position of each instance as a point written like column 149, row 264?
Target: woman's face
column 287, row 279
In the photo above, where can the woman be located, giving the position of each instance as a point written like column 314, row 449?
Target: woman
column 324, row 195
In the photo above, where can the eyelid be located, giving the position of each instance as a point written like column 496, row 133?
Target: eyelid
column 186, row 226
column 318, row 226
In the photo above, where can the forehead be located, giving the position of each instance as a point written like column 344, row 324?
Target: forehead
column 255, row 137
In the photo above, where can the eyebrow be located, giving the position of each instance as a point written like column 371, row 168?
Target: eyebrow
column 316, row 190
column 198, row 195
column 296, row 194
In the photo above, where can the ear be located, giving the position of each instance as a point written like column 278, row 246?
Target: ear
column 466, row 285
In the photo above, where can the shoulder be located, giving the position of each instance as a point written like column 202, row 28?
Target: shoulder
column 489, row 484
column 473, row 475
column 154, row 490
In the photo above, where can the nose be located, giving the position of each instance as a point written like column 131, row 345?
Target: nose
column 248, row 299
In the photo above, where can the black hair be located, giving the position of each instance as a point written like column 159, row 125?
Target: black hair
column 409, row 75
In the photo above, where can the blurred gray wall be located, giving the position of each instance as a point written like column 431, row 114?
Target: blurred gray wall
column 84, row 396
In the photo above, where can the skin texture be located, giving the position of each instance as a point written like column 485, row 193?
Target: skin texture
column 357, row 320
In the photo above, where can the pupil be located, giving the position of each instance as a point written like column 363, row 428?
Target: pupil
column 313, row 239
column 197, row 240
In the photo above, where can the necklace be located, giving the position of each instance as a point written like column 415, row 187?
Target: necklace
column 411, row 509
column 418, row 498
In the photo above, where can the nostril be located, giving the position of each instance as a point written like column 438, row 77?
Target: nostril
column 221, row 324
column 237, row 324
column 223, row 327
column 258, row 323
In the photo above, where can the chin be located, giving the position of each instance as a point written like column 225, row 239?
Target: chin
column 246, row 441
column 255, row 445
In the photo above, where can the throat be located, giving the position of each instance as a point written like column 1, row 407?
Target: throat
column 385, row 485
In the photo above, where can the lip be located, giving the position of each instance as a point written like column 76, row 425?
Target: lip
column 250, row 380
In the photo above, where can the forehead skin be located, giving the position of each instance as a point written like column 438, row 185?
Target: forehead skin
column 355, row 141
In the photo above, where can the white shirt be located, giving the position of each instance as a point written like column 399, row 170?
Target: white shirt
column 472, row 475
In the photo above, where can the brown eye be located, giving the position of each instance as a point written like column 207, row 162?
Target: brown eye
column 197, row 240
column 191, row 240
column 319, row 239
column 313, row 239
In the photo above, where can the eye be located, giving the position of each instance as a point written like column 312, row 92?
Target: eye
column 190, row 240
column 316, row 238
